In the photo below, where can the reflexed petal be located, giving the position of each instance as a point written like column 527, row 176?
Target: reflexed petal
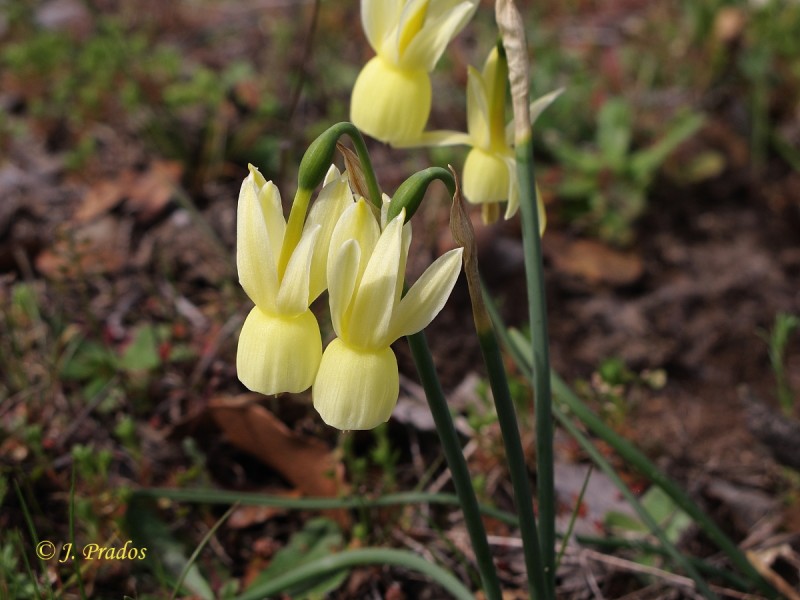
column 389, row 103
column 428, row 45
column 278, row 354
column 486, row 177
column 542, row 213
column 356, row 389
column 441, row 137
column 427, row 296
column 537, row 107
column 513, row 196
column 255, row 260
column 293, row 294
column 378, row 17
column 269, row 197
column 477, row 109
column 357, row 223
column 513, row 188
column 332, row 201
column 342, row 275
column 401, row 268
column 411, row 21
column 374, row 300
column 333, row 173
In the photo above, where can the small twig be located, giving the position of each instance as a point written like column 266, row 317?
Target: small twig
column 633, row 567
column 591, row 580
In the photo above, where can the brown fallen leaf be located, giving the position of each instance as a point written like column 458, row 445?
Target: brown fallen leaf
column 102, row 197
column 593, row 261
column 145, row 193
column 152, row 190
column 305, row 462
column 96, row 248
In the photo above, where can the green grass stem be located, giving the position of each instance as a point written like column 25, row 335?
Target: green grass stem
column 207, row 538
column 209, row 496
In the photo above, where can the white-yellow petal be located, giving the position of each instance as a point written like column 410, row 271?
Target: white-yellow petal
column 293, row 295
column 427, row 47
column 356, row 389
column 374, row 299
column 389, row 103
column 277, row 353
column 255, row 257
column 411, row 21
column 513, row 187
column 427, row 296
column 536, row 108
column 343, row 267
column 477, row 109
column 357, row 223
column 334, row 198
column 378, row 18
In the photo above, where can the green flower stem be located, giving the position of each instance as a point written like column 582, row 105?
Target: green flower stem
column 537, row 313
column 455, row 460
column 354, row 558
column 464, row 235
column 512, row 31
column 211, row 496
column 507, row 418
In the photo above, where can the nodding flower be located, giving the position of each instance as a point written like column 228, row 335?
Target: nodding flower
column 391, row 98
column 357, row 385
column 280, row 346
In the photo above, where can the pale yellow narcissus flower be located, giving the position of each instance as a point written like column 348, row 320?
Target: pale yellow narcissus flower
column 280, row 344
column 490, row 170
column 391, row 98
column 357, row 385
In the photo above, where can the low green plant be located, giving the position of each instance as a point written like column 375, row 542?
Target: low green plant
column 613, row 386
column 777, row 339
column 605, row 184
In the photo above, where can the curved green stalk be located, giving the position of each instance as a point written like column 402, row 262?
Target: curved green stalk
column 354, row 558
column 458, row 466
column 351, row 502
